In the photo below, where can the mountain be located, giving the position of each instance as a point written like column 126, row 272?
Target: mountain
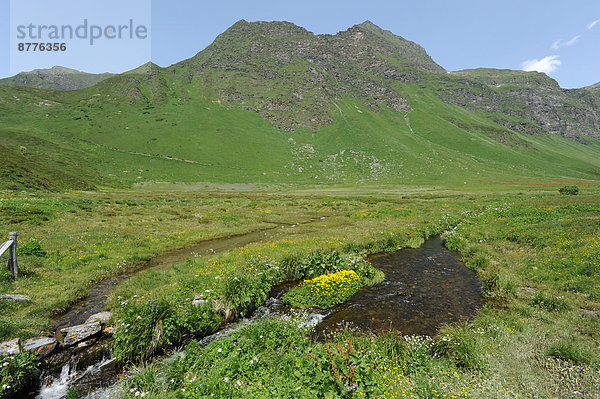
column 534, row 96
column 290, row 76
column 271, row 102
column 55, row 78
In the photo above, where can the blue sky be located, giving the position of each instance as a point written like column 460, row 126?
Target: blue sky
column 561, row 38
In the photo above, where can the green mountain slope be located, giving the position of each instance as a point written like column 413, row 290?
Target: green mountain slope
column 273, row 103
column 55, row 78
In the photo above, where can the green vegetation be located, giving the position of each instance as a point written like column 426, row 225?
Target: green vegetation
column 55, row 78
column 569, row 190
column 324, row 291
column 154, row 126
column 146, row 327
column 18, row 374
column 345, row 276
column 317, row 181
column 31, row 248
column 536, row 253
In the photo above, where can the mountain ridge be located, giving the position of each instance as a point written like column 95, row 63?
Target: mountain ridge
column 259, row 56
column 55, row 78
column 273, row 103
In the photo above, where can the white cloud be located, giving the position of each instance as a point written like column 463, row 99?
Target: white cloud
column 596, row 22
column 559, row 43
column 572, row 41
column 546, row 65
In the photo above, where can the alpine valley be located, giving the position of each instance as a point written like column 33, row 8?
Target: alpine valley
column 270, row 102
column 290, row 215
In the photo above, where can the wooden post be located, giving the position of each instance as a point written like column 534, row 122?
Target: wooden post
column 12, row 255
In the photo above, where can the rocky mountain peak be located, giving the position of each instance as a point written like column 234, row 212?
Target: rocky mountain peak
column 266, row 28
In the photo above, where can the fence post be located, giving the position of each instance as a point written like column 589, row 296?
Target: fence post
column 12, row 255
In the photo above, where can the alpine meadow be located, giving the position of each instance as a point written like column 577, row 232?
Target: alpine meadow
column 291, row 215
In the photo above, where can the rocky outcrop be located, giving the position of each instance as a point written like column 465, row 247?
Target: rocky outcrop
column 292, row 77
column 102, row 317
column 43, row 346
column 530, row 96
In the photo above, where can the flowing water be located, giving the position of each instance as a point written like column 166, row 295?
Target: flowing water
column 99, row 293
column 85, row 369
column 424, row 288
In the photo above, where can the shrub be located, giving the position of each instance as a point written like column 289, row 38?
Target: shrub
column 31, row 248
column 569, row 190
column 246, row 292
column 292, row 266
column 324, row 291
column 368, row 274
column 320, row 262
column 272, row 359
column 18, row 374
column 148, row 327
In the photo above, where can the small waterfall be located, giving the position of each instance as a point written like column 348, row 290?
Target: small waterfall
column 69, row 377
column 84, row 370
column 58, row 387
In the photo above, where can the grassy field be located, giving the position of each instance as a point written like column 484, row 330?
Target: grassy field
column 536, row 252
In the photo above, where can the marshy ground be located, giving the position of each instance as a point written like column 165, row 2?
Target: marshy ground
column 537, row 254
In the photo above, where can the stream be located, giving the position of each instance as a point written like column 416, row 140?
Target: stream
column 424, row 288
column 99, row 293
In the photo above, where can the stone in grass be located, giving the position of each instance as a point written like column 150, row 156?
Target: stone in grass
column 101, row 317
column 587, row 312
column 10, row 347
column 43, row 346
column 14, row 298
column 76, row 334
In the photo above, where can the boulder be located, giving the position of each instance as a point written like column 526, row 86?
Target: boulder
column 14, row 297
column 101, row 317
column 43, row 346
column 74, row 335
column 10, row 347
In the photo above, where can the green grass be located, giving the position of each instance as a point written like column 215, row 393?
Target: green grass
column 96, row 137
column 520, row 344
column 536, row 252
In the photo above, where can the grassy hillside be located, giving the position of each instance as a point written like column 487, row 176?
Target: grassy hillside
column 273, row 103
column 201, row 139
